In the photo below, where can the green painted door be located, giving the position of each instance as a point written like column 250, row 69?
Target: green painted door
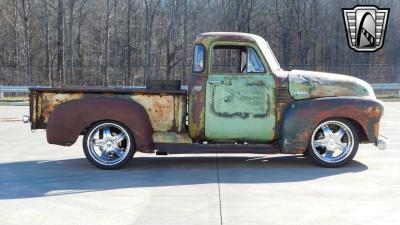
column 241, row 105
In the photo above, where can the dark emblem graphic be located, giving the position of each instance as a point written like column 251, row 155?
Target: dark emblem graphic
column 365, row 27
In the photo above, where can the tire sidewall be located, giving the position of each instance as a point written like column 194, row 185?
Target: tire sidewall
column 122, row 163
column 350, row 157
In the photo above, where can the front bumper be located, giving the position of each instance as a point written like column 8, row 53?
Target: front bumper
column 25, row 119
column 382, row 143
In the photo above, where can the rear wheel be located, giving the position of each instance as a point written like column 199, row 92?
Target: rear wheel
column 333, row 143
column 108, row 145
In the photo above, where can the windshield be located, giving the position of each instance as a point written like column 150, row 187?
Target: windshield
column 268, row 54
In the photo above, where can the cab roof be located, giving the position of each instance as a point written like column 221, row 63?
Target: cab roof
column 207, row 39
column 211, row 37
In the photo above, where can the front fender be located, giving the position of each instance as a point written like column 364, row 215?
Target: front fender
column 302, row 117
column 69, row 119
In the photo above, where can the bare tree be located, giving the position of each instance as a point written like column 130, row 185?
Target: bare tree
column 151, row 7
column 171, row 39
column 25, row 15
column 79, row 53
column 185, row 38
column 128, row 48
column 46, row 41
column 60, row 41
column 70, row 61
column 109, row 9
column 102, row 43
column 107, row 41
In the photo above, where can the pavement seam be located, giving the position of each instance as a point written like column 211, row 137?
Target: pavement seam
column 219, row 188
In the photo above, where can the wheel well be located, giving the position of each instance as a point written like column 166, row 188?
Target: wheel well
column 360, row 131
column 84, row 130
column 70, row 119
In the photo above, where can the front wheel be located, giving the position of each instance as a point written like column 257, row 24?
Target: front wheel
column 108, row 145
column 333, row 143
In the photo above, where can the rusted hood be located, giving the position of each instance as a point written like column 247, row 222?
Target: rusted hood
column 307, row 84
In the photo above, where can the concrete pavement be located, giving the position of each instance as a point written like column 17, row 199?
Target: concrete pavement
column 47, row 184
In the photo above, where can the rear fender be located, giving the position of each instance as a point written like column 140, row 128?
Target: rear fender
column 302, row 117
column 70, row 119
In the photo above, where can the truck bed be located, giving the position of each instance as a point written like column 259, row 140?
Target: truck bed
column 166, row 109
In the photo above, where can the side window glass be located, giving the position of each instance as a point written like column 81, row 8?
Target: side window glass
column 227, row 59
column 243, row 62
column 198, row 58
column 254, row 64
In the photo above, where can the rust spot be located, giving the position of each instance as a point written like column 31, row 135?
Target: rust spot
column 242, row 115
column 283, row 100
column 68, row 120
column 197, row 99
column 301, row 120
column 160, row 110
column 164, row 109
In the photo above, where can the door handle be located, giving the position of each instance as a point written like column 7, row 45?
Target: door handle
column 216, row 82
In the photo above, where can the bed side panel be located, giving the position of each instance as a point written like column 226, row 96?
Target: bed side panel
column 166, row 111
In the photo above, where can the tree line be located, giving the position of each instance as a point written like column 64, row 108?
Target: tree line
column 129, row 42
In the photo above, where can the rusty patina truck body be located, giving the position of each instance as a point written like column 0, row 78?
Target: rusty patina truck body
column 238, row 100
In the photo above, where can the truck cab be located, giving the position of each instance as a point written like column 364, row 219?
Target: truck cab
column 232, row 90
column 238, row 100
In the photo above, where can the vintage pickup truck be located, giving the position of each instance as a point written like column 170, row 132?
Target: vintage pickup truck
column 238, row 100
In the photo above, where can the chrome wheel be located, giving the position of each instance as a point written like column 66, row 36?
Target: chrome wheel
column 108, row 143
column 332, row 141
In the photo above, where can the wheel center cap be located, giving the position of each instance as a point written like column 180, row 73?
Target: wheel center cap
column 109, row 143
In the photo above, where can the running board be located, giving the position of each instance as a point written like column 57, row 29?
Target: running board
column 173, row 148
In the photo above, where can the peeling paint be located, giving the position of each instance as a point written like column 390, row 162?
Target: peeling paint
column 166, row 111
column 307, row 84
column 197, row 99
column 300, row 120
column 281, row 108
column 172, row 137
column 242, row 107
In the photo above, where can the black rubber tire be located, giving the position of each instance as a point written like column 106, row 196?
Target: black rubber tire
column 312, row 155
column 119, row 165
